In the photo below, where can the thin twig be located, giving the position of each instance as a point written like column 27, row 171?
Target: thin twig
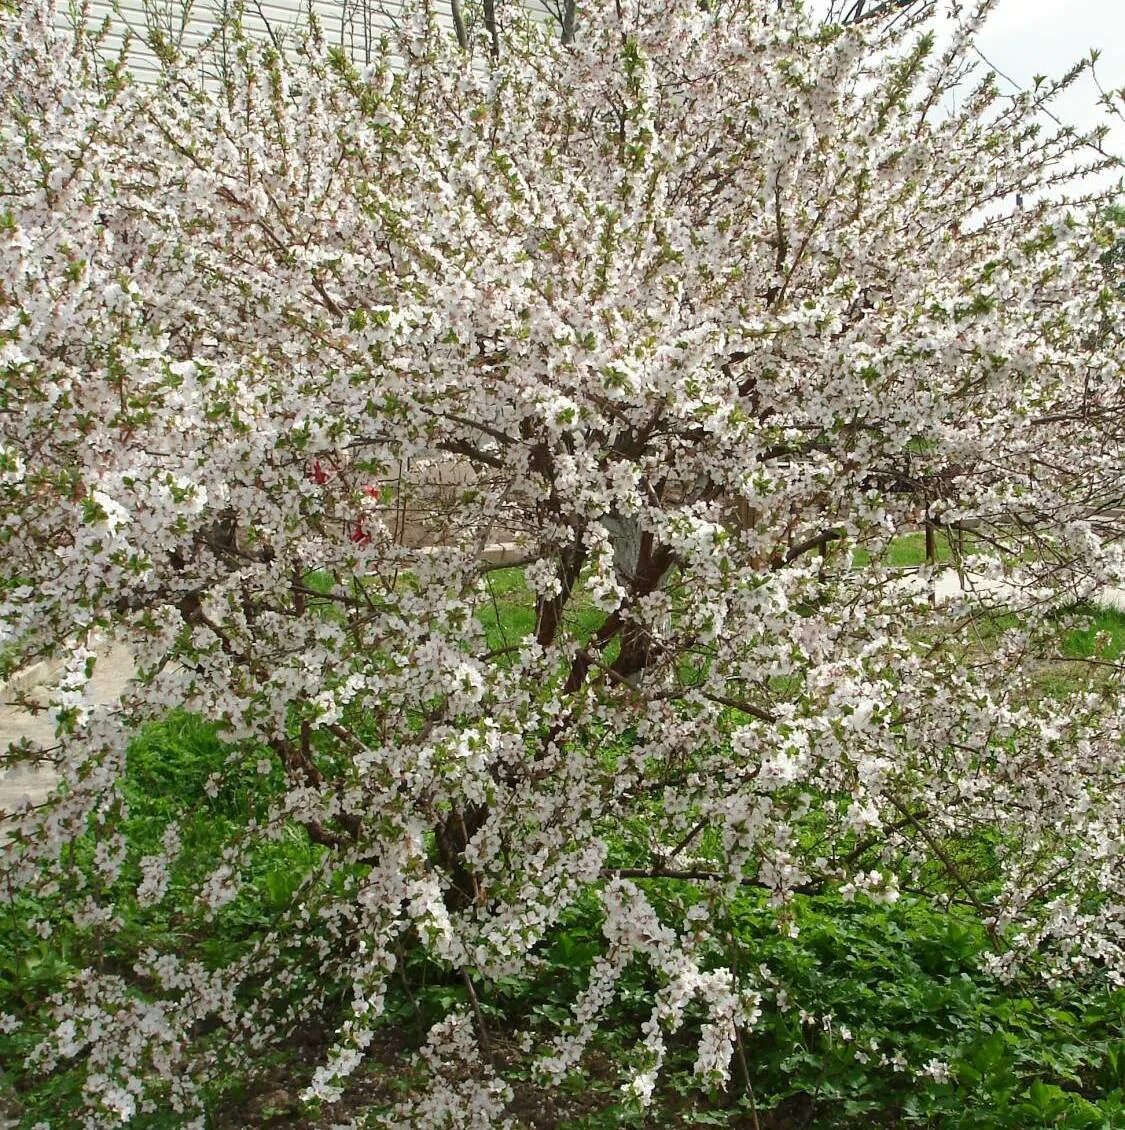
column 478, row 1019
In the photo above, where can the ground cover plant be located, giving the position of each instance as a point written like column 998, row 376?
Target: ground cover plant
column 896, row 1024
column 705, row 811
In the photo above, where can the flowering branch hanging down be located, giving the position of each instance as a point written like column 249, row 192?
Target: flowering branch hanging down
column 704, row 307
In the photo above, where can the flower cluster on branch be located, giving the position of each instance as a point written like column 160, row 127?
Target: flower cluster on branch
column 705, row 307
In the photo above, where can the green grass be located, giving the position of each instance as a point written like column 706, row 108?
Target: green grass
column 909, row 550
column 1103, row 638
column 508, row 610
column 904, row 978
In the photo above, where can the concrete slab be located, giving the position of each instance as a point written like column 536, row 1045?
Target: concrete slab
column 947, row 587
column 115, row 667
column 1113, row 598
column 25, row 784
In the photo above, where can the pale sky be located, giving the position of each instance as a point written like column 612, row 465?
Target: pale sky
column 1029, row 37
column 1023, row 38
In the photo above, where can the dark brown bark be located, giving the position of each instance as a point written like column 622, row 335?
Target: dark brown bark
column 453, row 835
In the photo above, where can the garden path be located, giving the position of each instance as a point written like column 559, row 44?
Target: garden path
column 947, row 586
column 24, row 784
column 115, row 669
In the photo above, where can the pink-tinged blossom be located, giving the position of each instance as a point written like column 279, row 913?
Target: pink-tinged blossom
column 699, row 313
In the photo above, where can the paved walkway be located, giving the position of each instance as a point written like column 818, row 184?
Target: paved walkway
column 115, row 668
column 947, row 585
column 24, row 784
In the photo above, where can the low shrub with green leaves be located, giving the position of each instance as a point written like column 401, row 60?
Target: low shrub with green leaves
column 869, row 1015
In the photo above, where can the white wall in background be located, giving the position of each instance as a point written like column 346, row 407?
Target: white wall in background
column 354, row 24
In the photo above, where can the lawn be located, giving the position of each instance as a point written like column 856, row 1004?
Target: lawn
column 1103, row 637
column 872, row 1016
